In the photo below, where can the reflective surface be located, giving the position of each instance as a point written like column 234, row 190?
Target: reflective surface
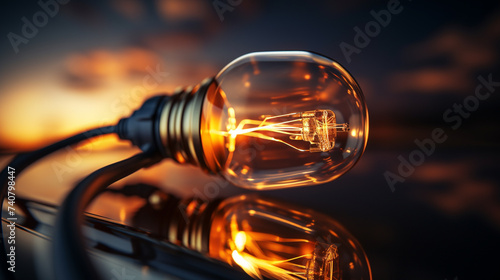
column 283, row 119
column 118, row 250
column 264, row 237
column 272, row 239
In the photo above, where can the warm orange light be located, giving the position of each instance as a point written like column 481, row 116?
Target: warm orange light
column 353, row 133
column 240, row 240
column 251, row 257
column 318, row 127
column 273, row 241
column 123, row 214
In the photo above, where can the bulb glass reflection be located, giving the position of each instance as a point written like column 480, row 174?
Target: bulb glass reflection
column 269, row 239
column 283, row 119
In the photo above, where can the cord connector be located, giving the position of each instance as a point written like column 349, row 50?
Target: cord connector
column 141, row 128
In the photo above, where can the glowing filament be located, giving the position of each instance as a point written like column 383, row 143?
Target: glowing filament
column 240, row 240
column 318, row 127
column 248, row 252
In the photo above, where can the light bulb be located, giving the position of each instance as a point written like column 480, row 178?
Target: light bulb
column 283, row 119
column 269, row 239
column 267, row 120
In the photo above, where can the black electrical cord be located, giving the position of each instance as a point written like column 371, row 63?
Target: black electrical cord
column 69, row 243
column 21, row 161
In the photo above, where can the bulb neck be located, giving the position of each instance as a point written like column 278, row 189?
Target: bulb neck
column 189, row 223
column 179, row 125
column 184, row 222
column 170, row 124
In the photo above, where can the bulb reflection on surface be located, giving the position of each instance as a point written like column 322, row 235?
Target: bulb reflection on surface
column 266, row 238
column 271, row 239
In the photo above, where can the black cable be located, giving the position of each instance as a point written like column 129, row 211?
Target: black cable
column 69, row 243
column 21, row 161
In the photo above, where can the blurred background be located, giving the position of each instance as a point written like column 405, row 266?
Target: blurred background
column 89, row 63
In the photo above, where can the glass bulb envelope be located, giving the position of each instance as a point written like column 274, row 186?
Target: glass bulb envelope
column 283, row 119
